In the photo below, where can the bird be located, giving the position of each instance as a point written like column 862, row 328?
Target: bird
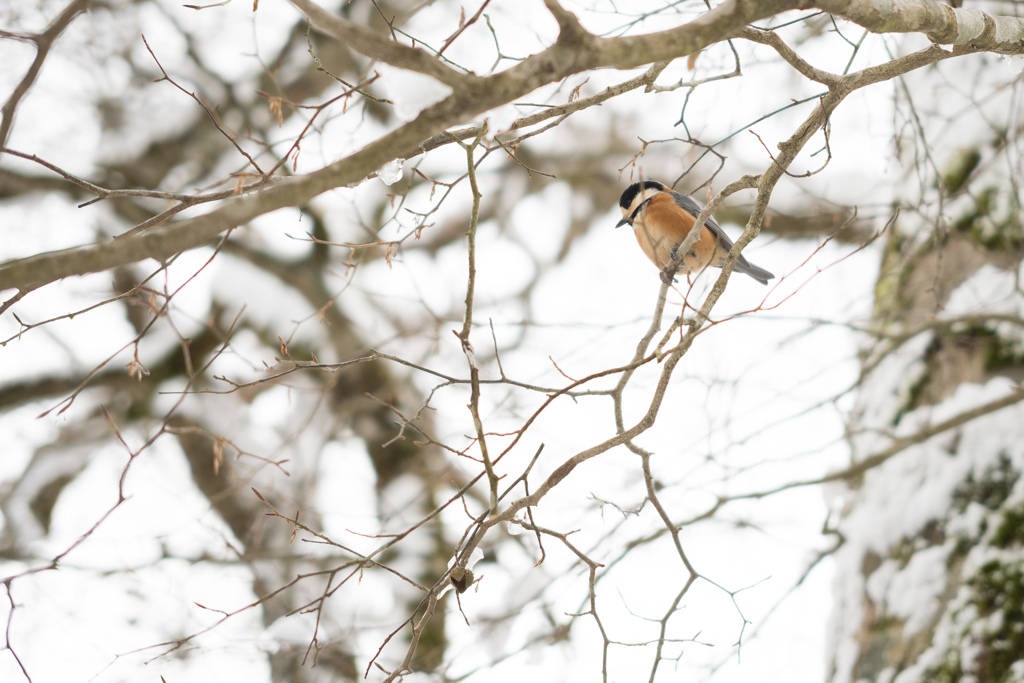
column 661, row 219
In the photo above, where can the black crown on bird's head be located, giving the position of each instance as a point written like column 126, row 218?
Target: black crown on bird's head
column 630, row 193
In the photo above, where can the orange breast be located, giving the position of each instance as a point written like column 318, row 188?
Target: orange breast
column 662, row 225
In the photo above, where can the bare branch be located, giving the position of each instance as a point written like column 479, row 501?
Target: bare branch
column 940, row 22
column 368, row 42
column 44, row 42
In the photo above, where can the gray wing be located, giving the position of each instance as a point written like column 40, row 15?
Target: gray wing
column 694, row 209
column 742, row 264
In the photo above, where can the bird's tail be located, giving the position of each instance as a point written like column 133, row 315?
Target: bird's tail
column 748, row 268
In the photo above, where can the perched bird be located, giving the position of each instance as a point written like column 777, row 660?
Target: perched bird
column 662, row 219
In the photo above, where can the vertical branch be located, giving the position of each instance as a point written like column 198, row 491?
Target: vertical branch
column 638, row 359
column 44, row 42
column 7, row 630
column 467, row 324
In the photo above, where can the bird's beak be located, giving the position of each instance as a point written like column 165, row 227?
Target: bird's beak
column 624, row 221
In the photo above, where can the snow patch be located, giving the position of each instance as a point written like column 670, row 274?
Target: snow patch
column 391, row 172
column 409, row 91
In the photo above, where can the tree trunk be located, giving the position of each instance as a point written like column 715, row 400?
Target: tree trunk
column 930, row 574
